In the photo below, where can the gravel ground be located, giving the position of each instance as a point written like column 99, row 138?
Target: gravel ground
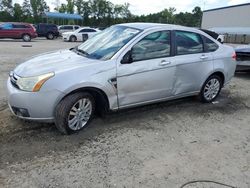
column 161, row 145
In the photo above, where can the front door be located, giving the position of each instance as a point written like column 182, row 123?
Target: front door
column 151, row 74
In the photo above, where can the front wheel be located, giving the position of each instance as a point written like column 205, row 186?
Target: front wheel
column 72, row 39
column 26, row 38
column 74, row 112
column 50, row 36
column 211, row 89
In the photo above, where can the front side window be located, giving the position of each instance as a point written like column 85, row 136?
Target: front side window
column 105, row 44
column 210, row 45
column 87, row 30
column 188, row 43
column 154, row 45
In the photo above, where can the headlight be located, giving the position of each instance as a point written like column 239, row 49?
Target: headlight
column 33, row 83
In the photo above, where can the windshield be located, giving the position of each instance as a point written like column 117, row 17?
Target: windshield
column 106, row 43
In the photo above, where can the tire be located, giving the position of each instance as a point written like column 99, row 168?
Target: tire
column 26, row 38
column 72, row 39
column 211, row 89
column 69, row 117
column 50, row 36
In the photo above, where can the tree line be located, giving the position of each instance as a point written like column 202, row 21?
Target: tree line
column 95, row 13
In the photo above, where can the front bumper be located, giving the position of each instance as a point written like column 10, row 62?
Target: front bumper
column 65, row 37
column 33, row 105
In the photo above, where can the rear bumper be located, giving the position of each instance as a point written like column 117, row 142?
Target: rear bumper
column 243, row 66
column 34, row 35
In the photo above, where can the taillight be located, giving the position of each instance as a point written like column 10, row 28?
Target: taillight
column 234, row 56
column 34, row 29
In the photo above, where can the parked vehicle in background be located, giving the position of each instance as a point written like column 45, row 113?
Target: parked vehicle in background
column 81, row 34
column 124, row 66
column 215, row 35
column 13, row 30
column 67, row 28
column 243, row 58
column 100, row 28
column 50, row 31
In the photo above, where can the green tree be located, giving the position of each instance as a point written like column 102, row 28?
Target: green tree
column 27, row 11
column 6, row 10
column 197, row 14
column 38, row 8
column 17, row 12
column 7, row 5
column 63, row 8
column 70, row 6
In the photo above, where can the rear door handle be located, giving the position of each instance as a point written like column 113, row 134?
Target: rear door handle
column 204, row 57
column 164, row 63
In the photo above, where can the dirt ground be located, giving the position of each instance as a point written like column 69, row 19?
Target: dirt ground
column 162, row 145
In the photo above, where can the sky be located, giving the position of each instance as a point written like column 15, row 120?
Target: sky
column 139, row 7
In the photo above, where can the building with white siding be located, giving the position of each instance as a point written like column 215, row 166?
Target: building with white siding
column 231, row 16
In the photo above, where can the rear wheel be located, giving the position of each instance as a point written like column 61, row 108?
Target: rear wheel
column 26, row 38
column 74, row 112
column 211, row 89
column 50, row 36
column 72, row 38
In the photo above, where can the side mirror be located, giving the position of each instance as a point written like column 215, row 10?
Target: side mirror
column 127, row 58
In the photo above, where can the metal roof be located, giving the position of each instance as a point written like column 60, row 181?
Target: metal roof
column 245, row 4
column 147, row 25
column 62, row 15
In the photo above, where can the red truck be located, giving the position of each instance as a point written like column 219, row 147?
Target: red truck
column 13, row 30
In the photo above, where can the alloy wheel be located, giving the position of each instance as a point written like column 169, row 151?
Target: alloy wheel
column 79, row 114
column 211, row 89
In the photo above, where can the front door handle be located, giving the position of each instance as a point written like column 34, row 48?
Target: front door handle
column 164, row 63
column 204, row 57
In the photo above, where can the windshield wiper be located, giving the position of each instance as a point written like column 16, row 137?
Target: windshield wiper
column 82, row 51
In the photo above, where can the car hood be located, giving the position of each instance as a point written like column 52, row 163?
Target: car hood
column 58, row 61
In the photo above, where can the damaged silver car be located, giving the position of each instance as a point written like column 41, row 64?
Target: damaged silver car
column 124, row 66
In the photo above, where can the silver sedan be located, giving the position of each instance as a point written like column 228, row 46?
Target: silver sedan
column 124, row 66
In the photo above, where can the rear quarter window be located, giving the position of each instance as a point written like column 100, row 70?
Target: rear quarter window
column 210, row 45
column 7, row 26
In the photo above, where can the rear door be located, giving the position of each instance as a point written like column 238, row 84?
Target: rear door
column 193, row 62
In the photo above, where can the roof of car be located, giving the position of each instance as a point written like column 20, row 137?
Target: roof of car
column 17, row 23
column 143, row 26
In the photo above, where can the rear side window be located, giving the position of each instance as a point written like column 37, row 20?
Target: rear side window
column 7, row 26
column 210, row 45
column 20, row 26
column 188, row 43
column 77, row 27
column 154, row 45
column 68, row 27
column 51, row 26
